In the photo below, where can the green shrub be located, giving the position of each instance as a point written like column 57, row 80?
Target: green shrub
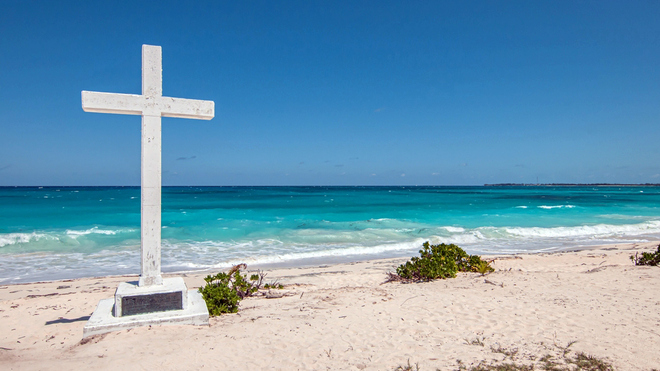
column 223, row 291
column 441, row 261
column 219, row 294
column 647, row 258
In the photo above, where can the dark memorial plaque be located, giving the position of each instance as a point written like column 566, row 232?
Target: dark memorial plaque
column 140, row 304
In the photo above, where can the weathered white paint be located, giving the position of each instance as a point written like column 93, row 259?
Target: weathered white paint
column 151, row 105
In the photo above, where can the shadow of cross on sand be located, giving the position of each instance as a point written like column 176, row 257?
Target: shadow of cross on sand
column 66, row 320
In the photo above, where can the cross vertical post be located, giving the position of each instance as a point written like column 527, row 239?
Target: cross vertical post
column 150, row 170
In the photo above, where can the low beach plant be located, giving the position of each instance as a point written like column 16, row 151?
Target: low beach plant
column 408, row 367
column 559, row 359
column 440, row 261
column 647, row 258
column 223, row 291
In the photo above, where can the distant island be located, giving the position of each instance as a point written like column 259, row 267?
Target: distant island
column 572, row 185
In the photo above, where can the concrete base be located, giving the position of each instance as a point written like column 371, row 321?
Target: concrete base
column 103, row 320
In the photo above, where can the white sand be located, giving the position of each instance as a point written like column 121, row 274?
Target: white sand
column 341, row 317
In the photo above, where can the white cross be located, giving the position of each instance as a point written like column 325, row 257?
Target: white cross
column 151, row 105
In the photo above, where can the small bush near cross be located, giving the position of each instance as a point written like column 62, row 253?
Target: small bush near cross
column 223, row 291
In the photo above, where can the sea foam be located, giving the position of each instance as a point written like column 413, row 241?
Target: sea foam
column 20, row 238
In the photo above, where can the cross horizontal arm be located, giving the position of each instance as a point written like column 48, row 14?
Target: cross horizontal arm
column 130, row 104
column 124, row 104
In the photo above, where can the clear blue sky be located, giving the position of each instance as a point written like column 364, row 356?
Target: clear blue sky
column 337, row 92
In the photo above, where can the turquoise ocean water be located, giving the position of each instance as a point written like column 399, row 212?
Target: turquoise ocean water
column 67, row 232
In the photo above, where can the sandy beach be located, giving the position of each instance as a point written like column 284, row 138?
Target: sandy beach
column 343, row 317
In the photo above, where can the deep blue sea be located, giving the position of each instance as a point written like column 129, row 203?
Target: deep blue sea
column 68, row 232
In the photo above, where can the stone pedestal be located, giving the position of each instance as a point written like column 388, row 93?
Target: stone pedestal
column 133, row 306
